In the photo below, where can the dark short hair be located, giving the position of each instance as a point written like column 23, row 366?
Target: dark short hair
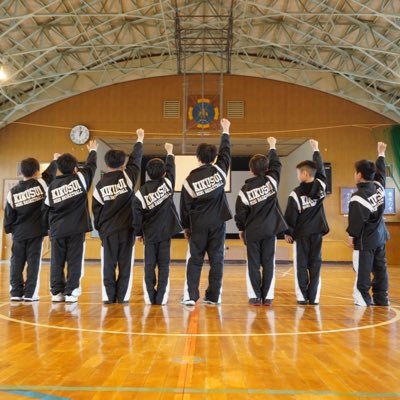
column 114, row 158
column 308, row 166
column 66, row 163
column 258, row 164
column 29, row 167
column 206, row 153
column 155, row 168
column 366, row 168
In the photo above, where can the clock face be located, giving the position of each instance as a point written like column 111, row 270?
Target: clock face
column 79, row 134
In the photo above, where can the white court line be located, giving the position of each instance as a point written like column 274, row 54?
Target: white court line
column 395, row 319
column 288, row 272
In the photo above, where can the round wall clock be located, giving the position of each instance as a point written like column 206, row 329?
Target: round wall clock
column 79, row 134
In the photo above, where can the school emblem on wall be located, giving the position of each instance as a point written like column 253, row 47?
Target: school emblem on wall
column 203, row 112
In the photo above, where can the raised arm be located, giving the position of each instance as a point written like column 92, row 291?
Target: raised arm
column 224, row 153
column 89, row 169
column 134, row 163
column 170, row 171
column 318, row 160
column 275, row 165
column 380, row 174
column 50, row 172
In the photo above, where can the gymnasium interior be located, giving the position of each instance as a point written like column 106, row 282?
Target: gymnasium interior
column 291, row 69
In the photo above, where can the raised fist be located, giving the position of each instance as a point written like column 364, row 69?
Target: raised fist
column 225, row 124
column 169, row 148
column 92, row 145
column 381, row 147
column 314, row 144
column 140, row 134
column 272, row 142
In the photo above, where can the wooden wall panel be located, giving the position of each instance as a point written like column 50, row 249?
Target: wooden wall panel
column 269, row 106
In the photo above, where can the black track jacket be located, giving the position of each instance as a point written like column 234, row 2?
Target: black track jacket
column 203, row 200
column 23, row 214
column 257, row 209
column 66, row 204
column 305, row 213
column 366, row 212
column 113, row 196
column 154, row 215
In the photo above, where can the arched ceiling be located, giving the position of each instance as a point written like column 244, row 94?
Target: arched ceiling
column 52, row 50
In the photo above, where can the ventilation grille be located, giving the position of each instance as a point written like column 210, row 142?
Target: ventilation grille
column 235, row 109
column 172, row 108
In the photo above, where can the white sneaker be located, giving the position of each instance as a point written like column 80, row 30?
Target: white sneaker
column 31, row 299
column 57, row 298
column 16, row 298
column 188, row 302
column 71, row 299
column 213, row 303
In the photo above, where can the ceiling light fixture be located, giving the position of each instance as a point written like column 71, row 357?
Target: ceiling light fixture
column 3, row 73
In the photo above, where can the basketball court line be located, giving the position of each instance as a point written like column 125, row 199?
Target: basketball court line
column 288, row 272
column 33, row 395
column 189, row 390
column 395, row 319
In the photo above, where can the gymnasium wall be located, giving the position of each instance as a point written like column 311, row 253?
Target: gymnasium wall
column 271, row 108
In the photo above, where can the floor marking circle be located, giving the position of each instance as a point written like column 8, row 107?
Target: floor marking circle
column 394, row 309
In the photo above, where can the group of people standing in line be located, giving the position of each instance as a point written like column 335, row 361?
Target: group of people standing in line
column 57, row 205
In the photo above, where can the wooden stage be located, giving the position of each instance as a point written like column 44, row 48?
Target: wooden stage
column 234, row 351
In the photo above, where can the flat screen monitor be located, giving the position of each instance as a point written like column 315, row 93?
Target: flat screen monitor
column 345, row 196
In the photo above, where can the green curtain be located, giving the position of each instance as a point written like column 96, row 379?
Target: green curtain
column 394, row 135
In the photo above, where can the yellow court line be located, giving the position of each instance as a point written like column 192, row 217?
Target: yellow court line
column 186, row 371
column 396, row 318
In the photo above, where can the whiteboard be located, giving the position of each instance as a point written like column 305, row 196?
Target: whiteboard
column 185, row 164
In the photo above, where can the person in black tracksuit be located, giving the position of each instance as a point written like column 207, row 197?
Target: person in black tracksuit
column 156, row 221
column 259, row 220
column 367, row 231
column 307, row 223
column 204, row 212
column 67, row 215
column 23, row 219
column 112, row 211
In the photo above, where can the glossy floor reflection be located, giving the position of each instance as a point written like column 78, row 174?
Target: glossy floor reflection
column 92, row 351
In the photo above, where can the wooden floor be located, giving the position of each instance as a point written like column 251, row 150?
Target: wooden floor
column 234, row 351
